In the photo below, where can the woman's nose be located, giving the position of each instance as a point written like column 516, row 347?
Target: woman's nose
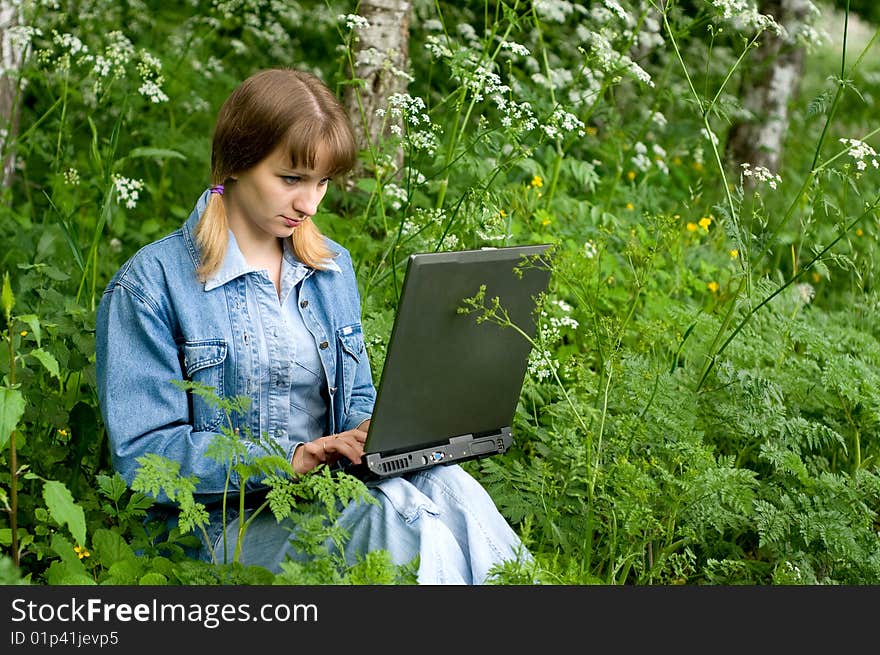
column 306, row 202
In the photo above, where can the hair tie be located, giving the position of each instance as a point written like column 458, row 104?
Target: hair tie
column 218, row 189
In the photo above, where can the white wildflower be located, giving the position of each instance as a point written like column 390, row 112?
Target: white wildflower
column 515, row 48
column 354, row 22
column 862, row 153
column 805, row 293
column 128, row 190
column 553, row 10
column 761, row 174
column 71, row 177
column 395, row 193
column 541, row 363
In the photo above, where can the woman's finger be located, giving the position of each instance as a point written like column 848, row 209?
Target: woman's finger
column 344, row 445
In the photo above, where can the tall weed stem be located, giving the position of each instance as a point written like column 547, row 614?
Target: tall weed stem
column 791, row 280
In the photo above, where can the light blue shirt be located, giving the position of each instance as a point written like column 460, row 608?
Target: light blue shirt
column 293, row 379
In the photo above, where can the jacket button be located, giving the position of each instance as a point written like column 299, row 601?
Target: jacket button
column 323, row 345
column 304, row 304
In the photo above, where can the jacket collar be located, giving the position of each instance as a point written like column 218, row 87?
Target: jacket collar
column 234, row 264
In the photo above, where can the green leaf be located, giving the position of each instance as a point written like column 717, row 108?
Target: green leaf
column 124, row 572
column 11, row 410
column 111, row 487
column 156, row 153
column 111, row 547
column 153, row 578
column 33, row 322
column 48, row 361
column 64, row 510
column 69, row 570
column 68, row 573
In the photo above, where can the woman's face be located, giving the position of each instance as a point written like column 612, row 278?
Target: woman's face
column 272, row 199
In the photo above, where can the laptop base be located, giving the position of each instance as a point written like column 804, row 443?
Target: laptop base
column 375, row 467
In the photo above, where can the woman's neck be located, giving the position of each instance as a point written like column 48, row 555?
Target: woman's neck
column 260, row 250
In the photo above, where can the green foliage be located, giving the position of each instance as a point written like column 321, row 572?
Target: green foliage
column 701, row 405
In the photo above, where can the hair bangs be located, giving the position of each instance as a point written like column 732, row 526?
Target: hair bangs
column 331, row 142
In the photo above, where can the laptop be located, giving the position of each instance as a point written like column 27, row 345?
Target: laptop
column 450, row 385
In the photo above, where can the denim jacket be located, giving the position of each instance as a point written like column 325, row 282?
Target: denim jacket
column 157, row 323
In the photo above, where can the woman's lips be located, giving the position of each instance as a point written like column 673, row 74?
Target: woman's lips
column 292, row 222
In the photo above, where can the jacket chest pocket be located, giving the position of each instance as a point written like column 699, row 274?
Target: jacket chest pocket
column 351, row 350
column 203, row 364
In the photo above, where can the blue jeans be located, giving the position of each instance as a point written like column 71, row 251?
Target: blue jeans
column 443, row 515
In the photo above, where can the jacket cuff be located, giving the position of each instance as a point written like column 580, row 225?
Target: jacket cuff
column 354, row 420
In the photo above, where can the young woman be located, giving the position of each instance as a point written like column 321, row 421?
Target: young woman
column 249, row 298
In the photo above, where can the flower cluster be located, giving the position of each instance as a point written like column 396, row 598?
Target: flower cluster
column 541, row 363
column 71, row 177
column 411, row 110
column 562, row 123
column 862, row 153
column 128, row 190
column 761, row 174
column 396, row 194
column 642, row 161
column 118, row 52
column 354, row 22
column 612, row 62
column 744, row 15
column 149, row 69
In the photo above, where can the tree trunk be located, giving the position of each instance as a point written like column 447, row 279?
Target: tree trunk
column 11, row 57
column 381, row 58
column 778, row 69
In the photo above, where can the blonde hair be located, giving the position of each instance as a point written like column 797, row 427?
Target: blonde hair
column 274, row 107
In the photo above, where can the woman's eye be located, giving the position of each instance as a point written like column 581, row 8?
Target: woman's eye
column 325, row 181
column 290, row 179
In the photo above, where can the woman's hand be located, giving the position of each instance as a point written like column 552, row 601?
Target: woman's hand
column 330, row 449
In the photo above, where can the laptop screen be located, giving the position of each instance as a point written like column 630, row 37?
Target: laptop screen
column 444, row 374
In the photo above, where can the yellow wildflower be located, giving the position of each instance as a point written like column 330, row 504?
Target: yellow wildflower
column 24, row 333
column 502, row 213
column 62, row 432
column 537, row 182
column 629, row 205
column 859, row 232
column 676, row 161
column 705, row 222
column 692, row 227
column 816, row 276
column 591, row 130
column 697, row 166
column 545, row 222
column 734, row 253
column 631, row 175
column 713, row 287
column 81, row 552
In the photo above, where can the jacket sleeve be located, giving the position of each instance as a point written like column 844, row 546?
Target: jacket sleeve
column 137, row 360
column 363, row 392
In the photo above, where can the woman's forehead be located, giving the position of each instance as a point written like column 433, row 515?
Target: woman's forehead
column 286, row 157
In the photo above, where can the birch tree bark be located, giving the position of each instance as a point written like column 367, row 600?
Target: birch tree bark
column 11, row 57
column 381, row 61
column 777, row 72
